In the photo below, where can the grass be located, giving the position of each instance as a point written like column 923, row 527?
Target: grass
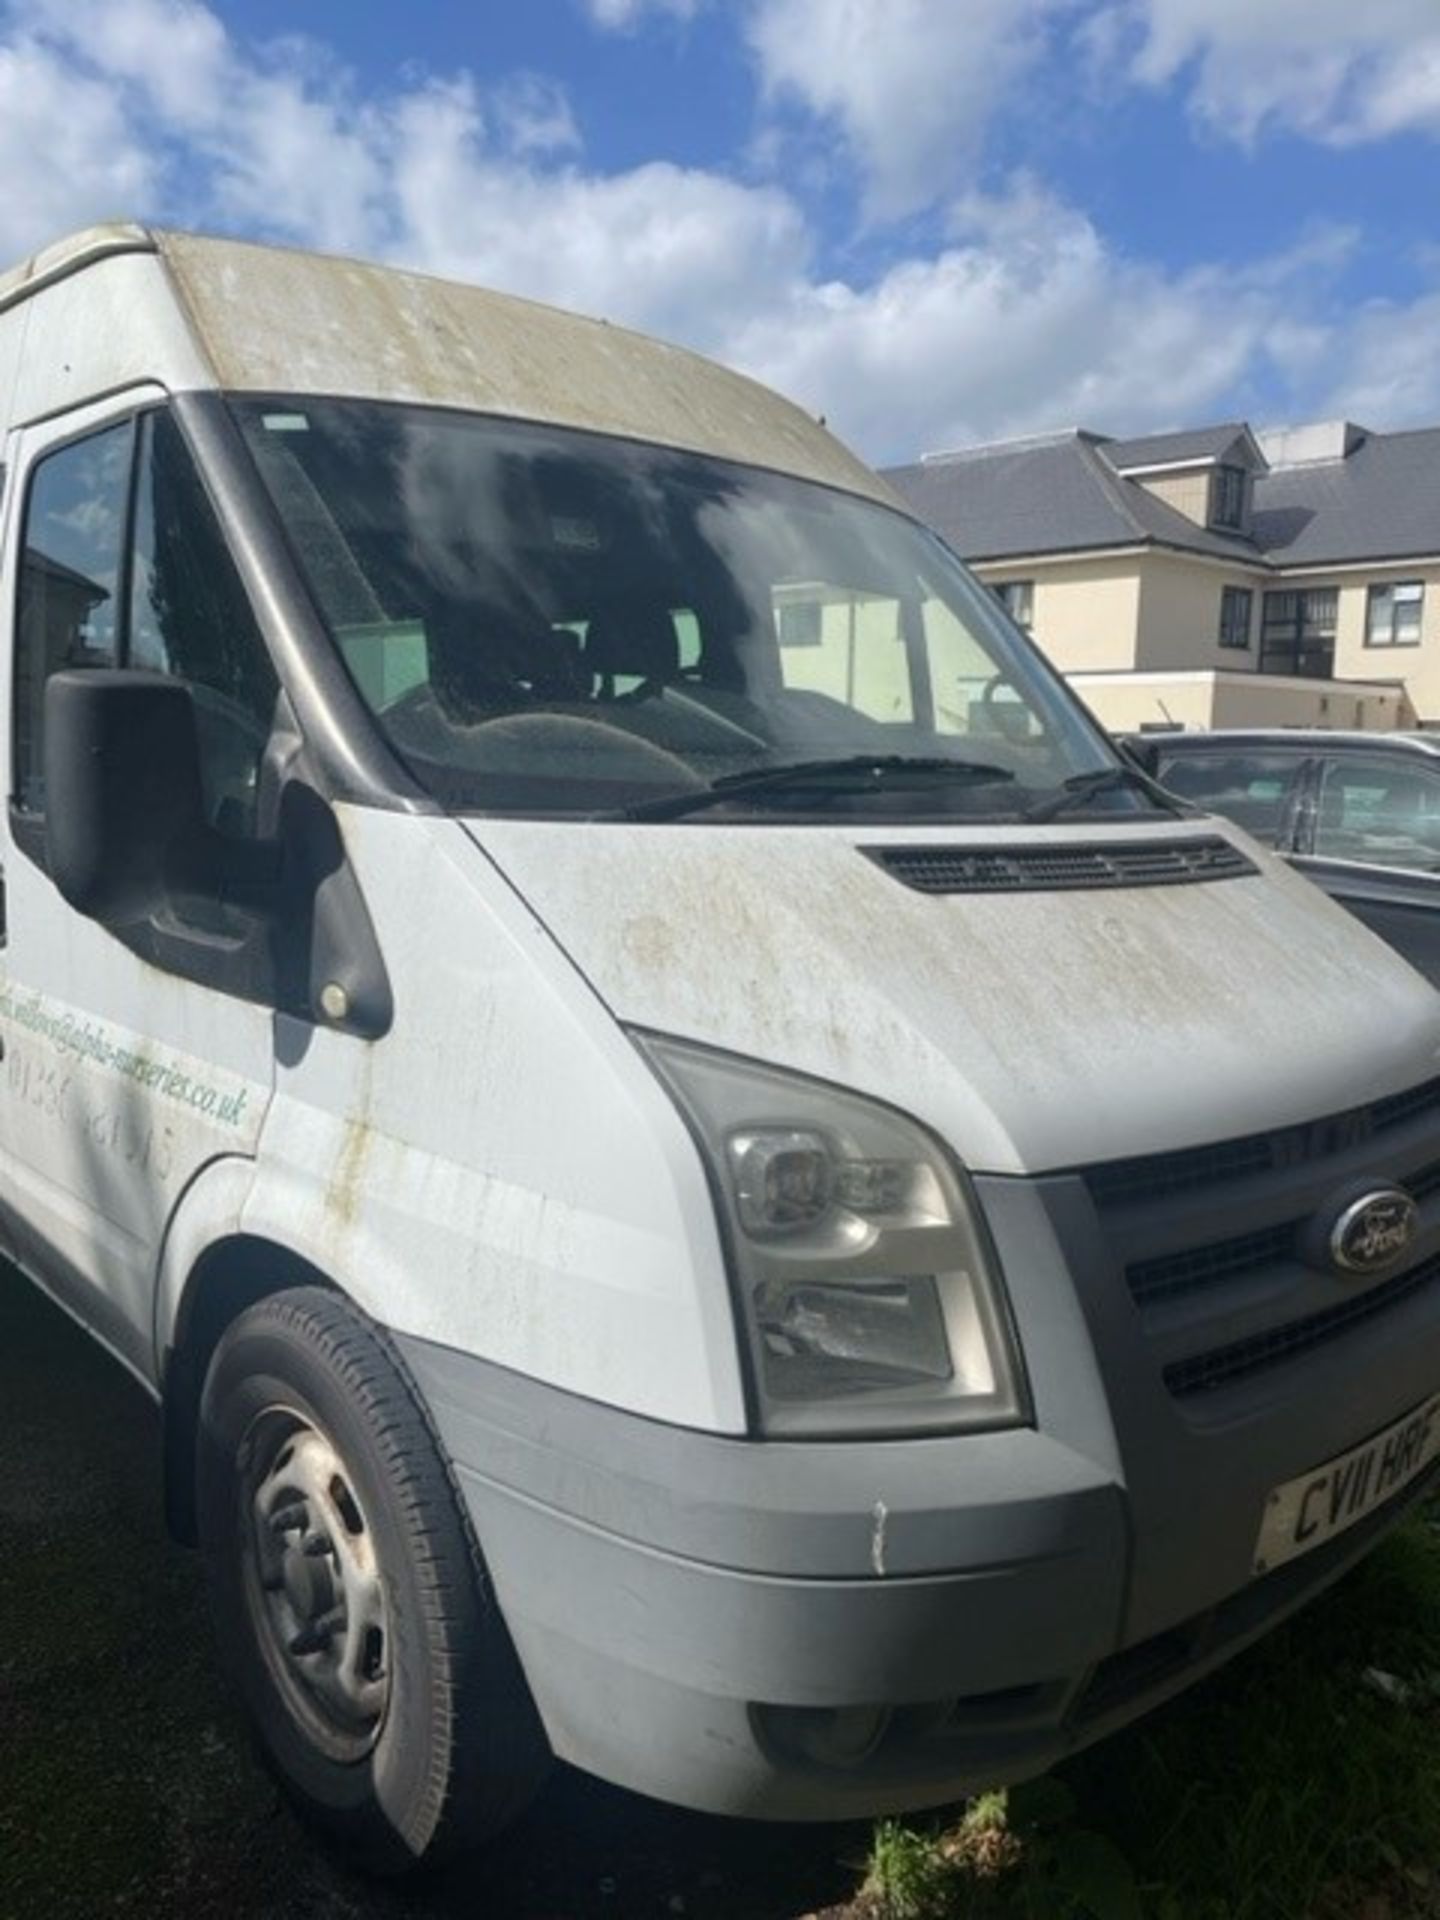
column 1303, row 1783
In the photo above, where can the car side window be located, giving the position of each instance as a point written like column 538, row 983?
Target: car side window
column 1380, row 811
column 69, row 611
column 1252, row 789
column 189, row 616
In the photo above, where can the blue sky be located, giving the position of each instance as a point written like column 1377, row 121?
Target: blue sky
column 934, row 221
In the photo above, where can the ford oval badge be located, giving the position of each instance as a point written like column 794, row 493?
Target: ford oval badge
column 1374, row 1231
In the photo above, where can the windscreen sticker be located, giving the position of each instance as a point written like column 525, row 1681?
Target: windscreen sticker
column 85, row 1039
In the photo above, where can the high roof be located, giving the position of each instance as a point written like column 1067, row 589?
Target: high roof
column 128, row 303
column 1064, row 495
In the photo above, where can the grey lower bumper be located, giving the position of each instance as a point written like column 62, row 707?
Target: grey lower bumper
column 784, row 1631
column 735, row 1627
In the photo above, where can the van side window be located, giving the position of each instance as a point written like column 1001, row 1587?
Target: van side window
column 189, row 616
column 69, row 613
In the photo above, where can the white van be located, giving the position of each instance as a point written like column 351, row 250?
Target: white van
column 709, row 1182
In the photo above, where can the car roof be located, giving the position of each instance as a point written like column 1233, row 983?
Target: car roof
column 1345, row 739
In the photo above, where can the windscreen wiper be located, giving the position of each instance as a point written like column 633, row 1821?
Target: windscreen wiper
column 873, row 768
column 1081, row 787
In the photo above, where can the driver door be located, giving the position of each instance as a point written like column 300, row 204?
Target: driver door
column 120, row 1080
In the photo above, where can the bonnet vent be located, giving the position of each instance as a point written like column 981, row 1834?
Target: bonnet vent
column 1060, row 868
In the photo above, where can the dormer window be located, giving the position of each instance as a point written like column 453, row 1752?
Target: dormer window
column 1227, row 498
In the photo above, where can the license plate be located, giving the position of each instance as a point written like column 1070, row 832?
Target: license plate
column 1304, row 1513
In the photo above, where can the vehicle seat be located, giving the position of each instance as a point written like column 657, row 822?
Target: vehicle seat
column 635, row 641
column 488, row 659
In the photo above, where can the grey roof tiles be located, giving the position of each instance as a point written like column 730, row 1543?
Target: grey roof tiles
column 1064, row 494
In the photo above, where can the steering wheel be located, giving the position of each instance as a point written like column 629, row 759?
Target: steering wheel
column 994, row 712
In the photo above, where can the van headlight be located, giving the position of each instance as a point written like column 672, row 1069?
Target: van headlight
column 867, row 1294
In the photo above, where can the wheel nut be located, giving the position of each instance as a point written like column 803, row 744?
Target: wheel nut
column 316, row 1546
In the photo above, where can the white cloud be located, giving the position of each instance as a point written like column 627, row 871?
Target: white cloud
column 911, row 84
column 621, row 16
column 1029, row 322
column 1024, row 319
column 1382, row 370
column 1333, row 71
column 67, row 151
column 533, row 112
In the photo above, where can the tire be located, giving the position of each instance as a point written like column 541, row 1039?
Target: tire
column 352, row 1608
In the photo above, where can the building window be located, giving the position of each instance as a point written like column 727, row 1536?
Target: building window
column 1227, row 507
column 1297, row 631
column 799, row 623
column 1018, row 599
column 1235, row 616
column 1393, row 616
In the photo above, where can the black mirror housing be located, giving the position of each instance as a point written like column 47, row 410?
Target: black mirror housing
column 123, row 800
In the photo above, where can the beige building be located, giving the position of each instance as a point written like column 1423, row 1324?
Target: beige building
column 1216, row 577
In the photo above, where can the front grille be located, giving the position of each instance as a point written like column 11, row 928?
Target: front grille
column 1177, row 1273
column 1225, row 1364
column 1160, row 1175
column 1059, row 868
column 1204, row 1372
column 1222, row 1249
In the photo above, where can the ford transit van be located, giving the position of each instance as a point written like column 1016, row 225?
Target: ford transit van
column 709, row 1182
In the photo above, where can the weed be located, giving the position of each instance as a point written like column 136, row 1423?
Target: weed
column 907, row 1876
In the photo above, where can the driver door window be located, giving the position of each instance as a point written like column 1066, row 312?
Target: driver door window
column 186, row 612
column 69, row 612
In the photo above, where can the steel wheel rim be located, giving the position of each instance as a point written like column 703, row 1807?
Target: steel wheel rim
column 313, row 1582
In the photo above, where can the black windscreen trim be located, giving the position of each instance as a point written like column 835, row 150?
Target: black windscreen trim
column 1062, row 866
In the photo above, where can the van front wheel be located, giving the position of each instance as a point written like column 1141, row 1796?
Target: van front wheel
column 351, row 1604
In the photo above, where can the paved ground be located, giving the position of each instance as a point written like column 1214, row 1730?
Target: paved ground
column 126, row 1785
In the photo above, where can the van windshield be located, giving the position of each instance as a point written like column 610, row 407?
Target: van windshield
column 546, row 621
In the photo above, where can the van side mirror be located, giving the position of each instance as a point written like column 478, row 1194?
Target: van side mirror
column 125, row 825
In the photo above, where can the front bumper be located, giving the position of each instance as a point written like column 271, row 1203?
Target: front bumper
column 699, row 1618
column 831, row 1630
column 811, row 1695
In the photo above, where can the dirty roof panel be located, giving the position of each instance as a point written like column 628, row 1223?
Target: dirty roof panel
column 274, row 320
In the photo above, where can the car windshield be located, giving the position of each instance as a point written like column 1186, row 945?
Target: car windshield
column 546, row 621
